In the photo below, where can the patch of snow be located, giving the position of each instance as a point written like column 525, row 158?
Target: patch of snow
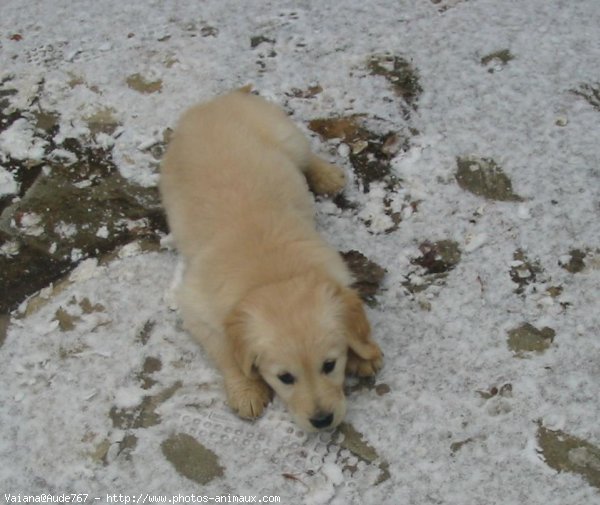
column 523, row 211
column 8, row 185
column 76, row 254
column 30, row 224
column 128, row 250
column 474, row 241
column 9, row 248
column 86, row 183
column 87, row 269
column 65, row 230
column 64, row 156
column 20, row 143
column 102, row 232
column 128, row 397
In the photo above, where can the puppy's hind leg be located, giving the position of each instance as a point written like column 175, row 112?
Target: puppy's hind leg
column 323, row 177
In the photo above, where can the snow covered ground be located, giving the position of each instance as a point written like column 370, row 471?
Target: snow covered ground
column 489, row 393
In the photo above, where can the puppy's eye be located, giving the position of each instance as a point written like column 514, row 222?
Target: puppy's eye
column 286, row 378
column 328, row 366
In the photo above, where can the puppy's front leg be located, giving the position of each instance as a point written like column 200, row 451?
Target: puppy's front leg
column 246, row 396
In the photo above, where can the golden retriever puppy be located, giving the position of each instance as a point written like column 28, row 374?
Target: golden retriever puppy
column 262, row 292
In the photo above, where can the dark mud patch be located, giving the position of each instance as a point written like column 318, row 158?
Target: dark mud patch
column 66, row 321
column 209, row 31
column 4, row 322
column 574, row 261
column 265, row 49
column 382, row 389
column 191, row 459
column 145, row 332
column 483, row 177
column 370, row 152
column 554, row 291
column 257, row 40
column 457, row 446
column 8, row 115
column 505, row 390
column 436, row 260
column 438, row 257
column 78, row 206
column 102, row 121
column 26, row 271
column 69, row 315
column 401, row 75
column 124, row 447
column 308, row 93
column 44, row 125
column 144, row 415
column 368, row 275
column 46, row 122
column 357, row 384
column 590, row 93
column 566, row 453
column 142, row 84
column 77, row 212
column 346, row 128
column 444, row 5
column 529, row 339
column 523, row 271
column 151, row 365
column 347, row 437
column 497, row 60
column 100, row 452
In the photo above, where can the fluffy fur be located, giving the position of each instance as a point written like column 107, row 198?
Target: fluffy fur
column 263, row 293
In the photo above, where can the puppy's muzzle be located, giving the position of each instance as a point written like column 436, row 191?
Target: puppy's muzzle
column 322, row 420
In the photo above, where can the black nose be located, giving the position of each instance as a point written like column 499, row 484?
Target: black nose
column 322, row 420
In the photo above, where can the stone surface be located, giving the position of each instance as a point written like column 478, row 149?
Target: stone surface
column 483, row 177
column 4, row 322
column 347, row 437
column 142, row 84
column 71, row 203
column 144, row 415
column 527, row 338
column 566, row 453
column 191, row 459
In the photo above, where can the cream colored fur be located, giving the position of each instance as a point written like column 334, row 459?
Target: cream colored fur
column 262, row 292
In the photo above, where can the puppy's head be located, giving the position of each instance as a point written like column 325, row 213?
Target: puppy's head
column 296, row 335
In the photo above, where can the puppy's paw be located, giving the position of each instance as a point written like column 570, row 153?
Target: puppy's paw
column 355, row 365
column 325, row 178
column 248, row 397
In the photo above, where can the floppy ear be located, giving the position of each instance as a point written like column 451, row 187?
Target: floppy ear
column 358, row 330
column 236, row 331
